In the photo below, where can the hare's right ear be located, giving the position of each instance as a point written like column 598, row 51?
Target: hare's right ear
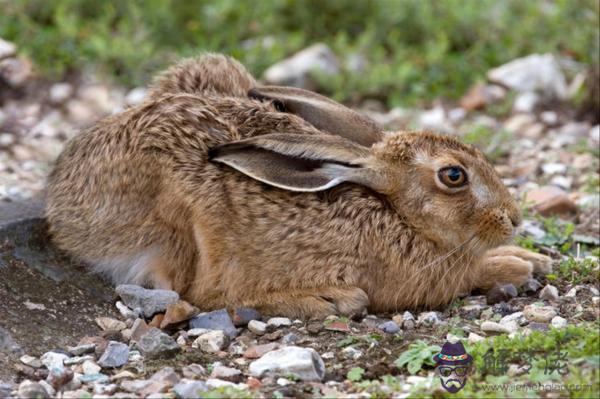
column 299, row 162
column 321, row 112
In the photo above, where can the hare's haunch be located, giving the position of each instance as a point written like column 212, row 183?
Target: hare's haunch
column 280, row 199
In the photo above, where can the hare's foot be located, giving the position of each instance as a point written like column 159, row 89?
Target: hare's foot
column 511, row 264
column 313, row 303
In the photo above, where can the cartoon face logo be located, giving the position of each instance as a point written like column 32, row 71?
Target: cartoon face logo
column 452, row 366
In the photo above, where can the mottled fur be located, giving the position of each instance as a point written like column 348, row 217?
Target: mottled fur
column 138, row 197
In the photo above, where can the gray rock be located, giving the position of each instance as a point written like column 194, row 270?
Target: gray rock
column 81, row 349
column 53, row 360
column 166, row 375
column 471, row 312
column 190, row 389
column 491, row 326
column 257, row 327
column 5, row 389
column 526, row 102
column 501, row 293
column 389, row 327
column 540, row 73
column 7, row 49
column 149, row 301
column 539, row 314
column 57, row 377
column 30, row 389
column 156, row 344
column 304, row 363
column 243, row 316
column 531, row 286
column 290, row 339
column 216, row 320
column 60, row 92
column 211, row 341
column 116, row 354
column 429, row 319
column 549, row 293
column 351, row 352
column 558, row 322
column 31, row 361
column 296, row 70
column 16, row 71
column 227, row 374
column 277, row 322
column 136, row 96
column 89, row 367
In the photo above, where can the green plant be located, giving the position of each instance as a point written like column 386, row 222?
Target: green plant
column 355, row 374
column 579, row 271
column 419, row 353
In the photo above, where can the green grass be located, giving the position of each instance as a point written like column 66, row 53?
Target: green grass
column 415, row 50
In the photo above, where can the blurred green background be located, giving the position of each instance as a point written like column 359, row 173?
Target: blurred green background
column 416, row 50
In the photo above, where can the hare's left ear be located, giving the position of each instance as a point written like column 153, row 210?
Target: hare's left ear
column 322, row 112
column 302, row 162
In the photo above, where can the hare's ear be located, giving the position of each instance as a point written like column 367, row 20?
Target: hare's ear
column 301, row 162
column 321, row 112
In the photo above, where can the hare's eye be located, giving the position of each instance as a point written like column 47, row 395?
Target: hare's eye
column 453, row 176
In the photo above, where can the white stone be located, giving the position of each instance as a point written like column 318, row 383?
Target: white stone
column 351, row 352
column 491, row 326
column 558, row 322
column 60, row 92
column 541, row 73
column 549, row 117
column 296, row 70
column 7, row 49
column 212, row 341
column 571, row 293
column 304, row 363
column 136, row 96
column 473, row 338
column 554, row 168
column 429, row 319
column 526, row 102
column 279, row 322
column 433, row 119
column 89, row 367
column 257, row 327
column 31, row 361
column 53, row 360
column 539, row 314
column 196, row 332
column 594, row 135
column 519, row 122
column 549, row 293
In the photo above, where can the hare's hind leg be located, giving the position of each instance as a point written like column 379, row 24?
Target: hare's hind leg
column 510, row 264
column 312, row 303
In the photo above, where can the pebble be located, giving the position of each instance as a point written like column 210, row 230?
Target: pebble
column 551, row 200
column 31, row 361
column 389, row 327
column 30, row 389
column 257, row 327
column 155, row 344
column 81, row 349
column 138, row 329
column 429, row 319
column 314, row 328
column 60, row 92
column 473, row 338
column 257, row 351
column 49, row 388
column 211, row 341
column 491, row 326
column 53, row 360
column 531, row 286
column 227, row 373
column 125, row 311
column 471, row 312
column 351, row 352
column 77, row 360
column 115, row 355
column 178, row 312
column 290, row 339
column 110, row 324
column 187, row 388
column 57, row 377
column 558, row 322
column 89, row 367
column 104, row 389
column 148, row 301
column 549, row 293
column 501, row 293
column 539, row 314
column 277, row 322
column 243, row 316
column 136, row 96
column 215, row 320
column 304, row 363
column 7, row 49
column 196, row 332
column 193, row 371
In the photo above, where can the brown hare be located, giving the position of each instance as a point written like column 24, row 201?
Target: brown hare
column 280, row 199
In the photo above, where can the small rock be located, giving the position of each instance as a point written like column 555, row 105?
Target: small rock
column 49, row 388
column 517, row 317
column 351, row 352
column 177, row 313
column 149, row 301
column 7, row 49
column 549, row 293
column 538, row 327
column 304, row 363
column 296, row 70
column 257, row 327
column 243, row 316
column 193, row 371
column 277, row 322
column 550, row 118
column 105, row 389
column 473, row 338
column 553, row 168
column 156, row 320
column 115, row 355
column 190, row 389
column 490, row 326
column 389, row 327
column 77, row 360
column 196, row 332
column 274, row 336
column 531, row 286
column 526, row 102
column 138, row 330
column 99, row 342
column 471, row 312
column 314, row 328
column 572, row 293
column 429, row 319
column 501, row 293
column 518, row 123
column 31, row 361
column 81, row 349
column 551, row 200
column 5, row 390
column 16, row 71
column 59, row 377
column 257, row 351
column 227, row 373
column 89, row 367
column 290, row 339
column 558, row 322
column 216, row 320
column 135, row 386
column 53, row 360
column 480, row 95
column 30, row 389
column 539, row 314
column 60, row 92
column 166, row 375
column 125, row 311
column 110, row 324
column 215, row 383
column 136, row 96
column 339, row 326
column 155, row 344
column 212, row 341
column 433, row 119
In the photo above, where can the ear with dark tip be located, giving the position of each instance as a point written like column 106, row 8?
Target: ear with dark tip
column 301, row 162
column 321, row 112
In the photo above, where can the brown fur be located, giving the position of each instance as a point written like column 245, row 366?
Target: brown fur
column 138, row 197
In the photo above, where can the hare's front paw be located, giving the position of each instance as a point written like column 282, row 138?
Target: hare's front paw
column 511, row 264
column 542, row 264
column 347, row 301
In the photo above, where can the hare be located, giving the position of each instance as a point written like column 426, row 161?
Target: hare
column 280, row 199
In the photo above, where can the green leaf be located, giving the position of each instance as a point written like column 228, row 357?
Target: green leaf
column 355, row 374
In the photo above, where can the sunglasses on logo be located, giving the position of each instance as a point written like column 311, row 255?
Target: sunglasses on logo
column 446, row 371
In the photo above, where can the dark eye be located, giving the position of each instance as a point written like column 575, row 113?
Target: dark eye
column 453, row 176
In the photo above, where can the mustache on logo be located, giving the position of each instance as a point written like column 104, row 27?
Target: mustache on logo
column 453, row 382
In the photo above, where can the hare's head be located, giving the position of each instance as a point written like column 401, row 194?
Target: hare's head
column 438, row 186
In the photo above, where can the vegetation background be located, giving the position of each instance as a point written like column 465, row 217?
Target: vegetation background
column 415, row 50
